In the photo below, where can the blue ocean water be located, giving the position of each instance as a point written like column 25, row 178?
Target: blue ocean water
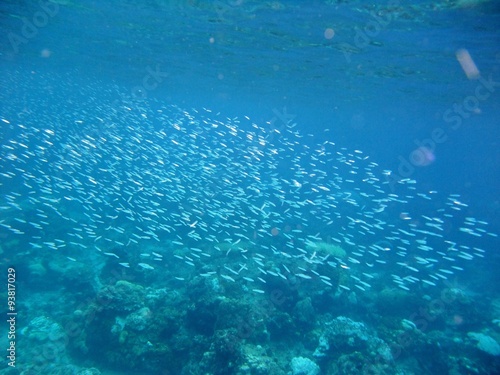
column 247, row 187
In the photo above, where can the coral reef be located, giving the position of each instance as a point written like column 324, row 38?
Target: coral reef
column 304, row 366
column 344, row 336
column 45, row 343
column 486, row 343
column 123, row 296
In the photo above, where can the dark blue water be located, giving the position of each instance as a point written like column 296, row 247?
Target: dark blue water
column 390, row 91
column 381, row 77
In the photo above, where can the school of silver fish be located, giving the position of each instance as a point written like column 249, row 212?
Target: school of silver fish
column 224, row 198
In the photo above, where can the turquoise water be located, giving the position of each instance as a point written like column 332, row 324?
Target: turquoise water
column 250, row 187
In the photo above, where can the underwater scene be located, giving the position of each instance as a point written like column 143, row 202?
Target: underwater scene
column 250, row 187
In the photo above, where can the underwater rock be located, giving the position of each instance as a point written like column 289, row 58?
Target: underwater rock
column 408, row 325
column 139, row 319
column 257, row 362
column 42, row 329
column 344, row 336
column 226, row 344
column 202, row 317
column 486, row 343
column 281, row 326
column 45, row 343
column 304, row 366
column 89, row 371
column 304, row 312
column 224, row 355
column 123, row 296
column 37, row 269
column 392, row 301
